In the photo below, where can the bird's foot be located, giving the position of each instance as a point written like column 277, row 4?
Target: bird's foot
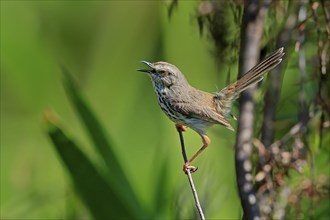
column 181, row 127
column 187, row 166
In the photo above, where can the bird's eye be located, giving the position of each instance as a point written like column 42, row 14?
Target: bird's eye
column 164, row 72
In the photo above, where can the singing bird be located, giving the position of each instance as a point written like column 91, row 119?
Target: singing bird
column 191, row 107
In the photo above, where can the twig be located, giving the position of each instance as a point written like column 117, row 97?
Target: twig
column 191, row 182
column 266, row 187
column 275, row 78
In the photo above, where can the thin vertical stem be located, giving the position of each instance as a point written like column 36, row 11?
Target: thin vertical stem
column 191, row 182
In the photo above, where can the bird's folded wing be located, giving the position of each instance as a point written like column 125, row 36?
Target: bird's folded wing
column 205, row 113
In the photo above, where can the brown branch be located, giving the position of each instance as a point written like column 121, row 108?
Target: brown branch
column 323, row 59
column 303, row 108
column 275, row 78
column 267, row 197
column 251, row 33
column 325, row 7
column 191, row 182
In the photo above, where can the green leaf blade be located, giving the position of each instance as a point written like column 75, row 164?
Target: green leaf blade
column 103, row 146
column 102, row 200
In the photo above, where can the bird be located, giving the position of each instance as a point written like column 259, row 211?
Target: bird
column 190, row 107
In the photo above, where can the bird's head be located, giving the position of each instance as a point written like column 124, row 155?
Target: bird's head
column 164, row 74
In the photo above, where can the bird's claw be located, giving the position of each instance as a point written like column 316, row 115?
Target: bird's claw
column 187, row 167
column 181, row 127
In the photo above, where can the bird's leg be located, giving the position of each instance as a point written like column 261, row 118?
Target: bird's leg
column 206, row 142
column 181, row 127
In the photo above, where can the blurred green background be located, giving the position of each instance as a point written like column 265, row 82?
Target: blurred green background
column 101, row 44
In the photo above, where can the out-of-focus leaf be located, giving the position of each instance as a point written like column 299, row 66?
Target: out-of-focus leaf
column 102, row 200
column 172, row 6
column 116, row 176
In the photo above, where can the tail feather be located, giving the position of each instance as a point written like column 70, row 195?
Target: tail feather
column 268, row 63
column 227, row 96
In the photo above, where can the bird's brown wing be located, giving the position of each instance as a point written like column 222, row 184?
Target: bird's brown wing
column 206, row 113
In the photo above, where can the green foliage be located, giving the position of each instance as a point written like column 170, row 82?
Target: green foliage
column 123, row 158
column 105, row 197
column 101, row 198
column 104, row 148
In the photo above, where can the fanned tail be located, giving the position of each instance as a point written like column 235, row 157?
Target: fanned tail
column 227, row 96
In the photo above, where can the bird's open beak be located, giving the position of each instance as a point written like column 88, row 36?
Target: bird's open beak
column 144, row 70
